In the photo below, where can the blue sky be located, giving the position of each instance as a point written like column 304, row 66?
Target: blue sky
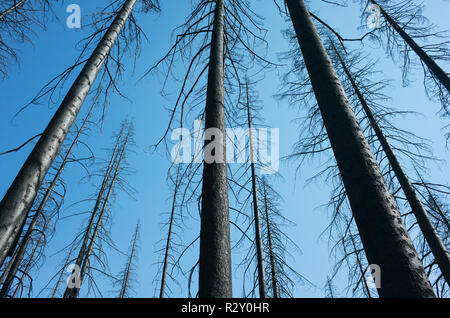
column 53, row 50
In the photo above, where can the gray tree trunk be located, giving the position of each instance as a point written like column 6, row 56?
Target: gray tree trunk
column 258, row 242
column 124, row 287
column 424, row 57
column 275, row 291
column 215, row 254
column 24, row 243
column 169, row 237
column 383, row 234
column 429, row 232
column 84, row 245
column 74, row 292
column 17, row 201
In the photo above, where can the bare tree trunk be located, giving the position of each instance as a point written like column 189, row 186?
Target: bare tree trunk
column 383, row 234
column 123, row 289
column 98, row 201
column 11, row 8
column 169, row 236
column 17, row 201
column 24, row 243
column 258, row 242
column 424, row 57
column 215, row 254
column 429, row 232
column 276, row 293
column 73, row 292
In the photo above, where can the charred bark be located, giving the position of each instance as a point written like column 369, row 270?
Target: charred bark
column 429, row 232
column 19, row 254
column 383, row 233
column 215, row 258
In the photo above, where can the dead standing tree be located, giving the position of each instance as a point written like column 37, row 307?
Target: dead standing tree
column 434, row 241
column 403, row 29
column 314, row 142
column 19, row 197
column 126, row 276
column 19, row 254
column 278, row 245
column 372, row 205
column 19, row 20
column 215, row 250
column 368, row 99
column 99, row 214
column 256, row 218
column 170, row 233
column 269, row 247
column 230, row 42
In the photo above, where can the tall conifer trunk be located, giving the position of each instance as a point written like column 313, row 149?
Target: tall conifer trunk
column 17, row 201
column 215, row 254
column 383, row 234
column 429, row 232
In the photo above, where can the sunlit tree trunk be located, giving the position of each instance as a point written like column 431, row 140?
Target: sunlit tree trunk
column 19, row 254
column 17, row 201
column 383, row 234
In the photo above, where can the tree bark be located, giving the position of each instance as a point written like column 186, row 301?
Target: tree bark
column 24, row 243
column 215, row 254
column 17, row 201
column 383, row 234
column 429, row 232
column 440, row 74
